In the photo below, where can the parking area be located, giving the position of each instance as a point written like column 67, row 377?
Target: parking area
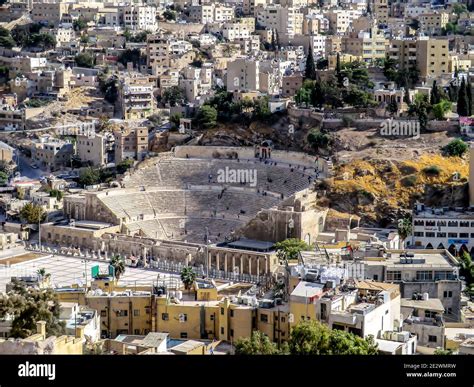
column 66, row 271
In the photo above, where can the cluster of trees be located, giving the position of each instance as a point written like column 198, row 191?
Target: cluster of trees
column 219, row 108
column 349, row 86
column 289, row 249
column 92, row 176
column 309, row 338
column 139, row 37
column 84, row 59
column 28, row 306
column 188, row 276
column 32, row 213
column 108, row 85
column 134, row 55
column 26, row 37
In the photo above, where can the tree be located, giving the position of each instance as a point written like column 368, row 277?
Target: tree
column 89, row 176
column 169, row 15
column 119, row 266
column 56, row 193
column 206, row 116
column 257, row 344
column 133, row 55
column 108, row 86
column 42, row 41
column 314, row 338
column 84, row 60
column 3, row 179
column 469, row 98
column 188, row 276
column 404, row 228
column 456, row 148
column 32, row 213
column 42, row 273
column 6, row 167
column 79, row 24
column 310, row 70
column 463, row 102
column 434, row 94
column 420, row 107
column 318, row 140
column 441, row 108
column 124, row 166
column 466, row 268
column 6, row 39
column 392, row 107
column 290, row 249
column 28, row 306
column 173, row 96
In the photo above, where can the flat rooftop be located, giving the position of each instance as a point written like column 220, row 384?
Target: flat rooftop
column 421, row 259
column 307, row 289
column 251, row 244
column 433, row 304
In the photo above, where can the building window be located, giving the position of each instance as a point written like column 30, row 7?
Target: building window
column 136, row 331
column 222, row 330
column 183, row 335
column 263, row 318
column 136, row 312
column 424, row 275
column 165, row 316
column 222, row 311
column 231, row 333
column 103, row 313
column 231, row 313
column 432, row 339
column 447, row 294
column 394, row 275
column 212, row 317
column 122, row 313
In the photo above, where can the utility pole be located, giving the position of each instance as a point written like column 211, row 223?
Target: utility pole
column 207, row 252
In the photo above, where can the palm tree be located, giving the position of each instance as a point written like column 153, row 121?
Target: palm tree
column 119, row 266
column 188, row 276
column 41, row 272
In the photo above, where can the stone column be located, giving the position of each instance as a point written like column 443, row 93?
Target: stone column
column 233, row 262
column 217, row 261
column 241, row 263
column 225, row 263
column 258, row 267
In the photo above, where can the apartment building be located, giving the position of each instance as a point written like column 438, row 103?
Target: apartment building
column 291, row 84
column 52, row 153
column 95, row 149
column 210, row 13
column 196, row 82
column 243, row 75
column 381, row 10
column 370, row 45
column 250, row 7
column 140, row 18
column 315, row 24
column 287, row 21
column 434, row 272
column 136, row 99
column 430, row 56
column 50, row 13
column 341, row 19
column 130, row 143
column 236, row 31
column 160, row 49
column 433, row 22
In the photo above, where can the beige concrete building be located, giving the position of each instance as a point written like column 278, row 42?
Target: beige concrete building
column 94, row 148
column 6, row 152
column 130, row 143
column 431, row 56
column 433, row 22
column 288, row 21
column 243, row 75
column 49, row 12
column 136, row 99
column 370, row 45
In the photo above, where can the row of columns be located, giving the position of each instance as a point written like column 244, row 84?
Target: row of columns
column 261, row 267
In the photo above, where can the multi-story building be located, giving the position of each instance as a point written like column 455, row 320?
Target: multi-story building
column 287, row 21
column 136, row 99
column 52, row 153
column 94, row 148
column 423, row 316
column 341, row 19
column 130, row 143
column 140, row 18
column 161, row 49
column 243, row 75
column 50, row 13
column 370, row 45
column 434, row 272
column 433, row 22
column 430, row 56
column 381, row 10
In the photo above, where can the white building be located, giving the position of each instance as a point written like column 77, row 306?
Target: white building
column 140, row 18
